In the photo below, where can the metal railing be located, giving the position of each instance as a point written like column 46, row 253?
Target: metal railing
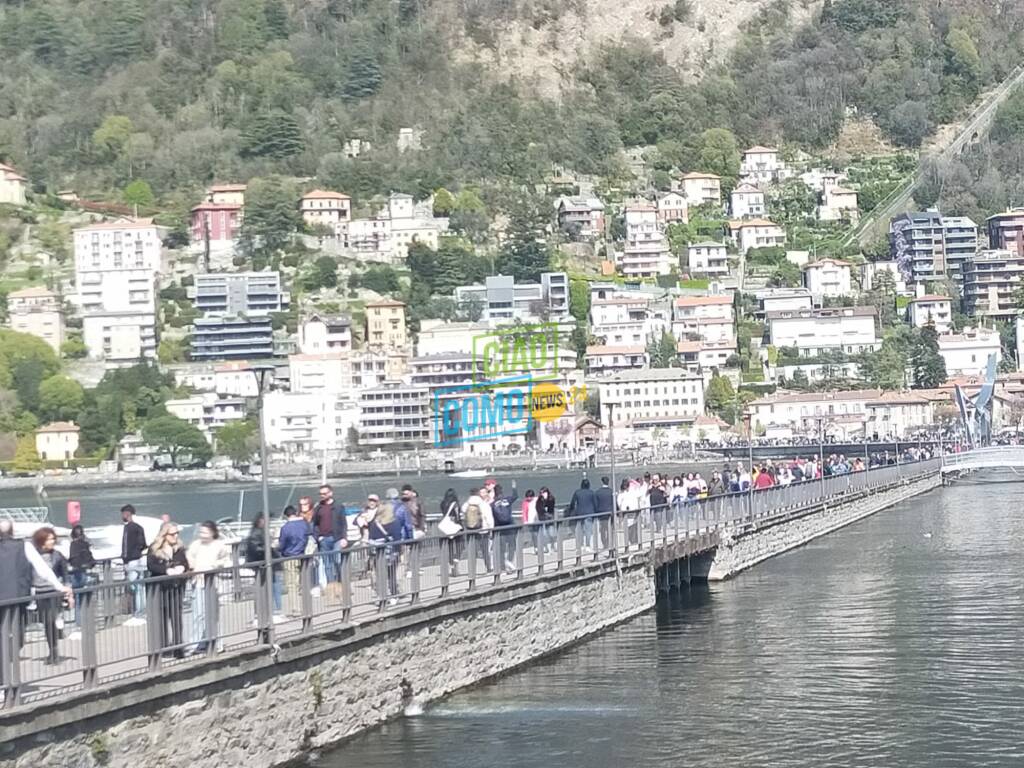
column 201, row 615
column 990, row 457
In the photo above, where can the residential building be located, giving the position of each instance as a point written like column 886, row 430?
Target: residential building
column 827, row 278
column 445, row 369
column 601, row 360
column 12, row 186
column 927, row 246
column 302, row 424
column 503, row 299
column 833, row 414
column 116, row 267
column 388, row 235
column 701, row 188
column 869, row 270
column 966, row 353
column 897, row 414
column 325, row 208
column 783, row 299
column 672, row 207
column 215, row 224
column 705, row 356
column 57, row 441
column 385, row 325
column 747, row 202
column 990, row 283
column 626, row 320
column 239, row 293
column 708, row 258
column 1006, row 231
column 931, row 310
column 704, row 318
column 320, row 333
column 321, row 372
column 646, row 252
column 226, row 194
column 394, row 415
column 38, row 312
column 207, row 411
column 757, row 233
column 1018, row 327
column 838, row 204
column 581, row 216
column 438, row 337
column 231, row 379
column 763, row 165
column 849, row 330
column 232, row 338
column 653, row 397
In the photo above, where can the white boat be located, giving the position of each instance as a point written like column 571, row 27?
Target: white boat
column 470, row 473
column 105, row 540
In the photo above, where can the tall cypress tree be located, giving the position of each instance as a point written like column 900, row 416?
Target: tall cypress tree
column 525, row 253
column 928, row 364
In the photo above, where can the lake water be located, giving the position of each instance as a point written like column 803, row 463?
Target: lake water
column 896, row 642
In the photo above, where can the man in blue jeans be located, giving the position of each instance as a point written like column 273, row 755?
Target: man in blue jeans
column 133, row 555
column 330, row 535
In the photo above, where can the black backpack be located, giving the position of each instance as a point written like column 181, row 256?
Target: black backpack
column 502, row 513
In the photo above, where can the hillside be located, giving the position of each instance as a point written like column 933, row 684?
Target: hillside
column 97, row 93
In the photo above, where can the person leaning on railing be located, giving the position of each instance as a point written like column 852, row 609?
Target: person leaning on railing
column 293, row 541
column 81, row 561
column 48, row 600
column 166, row 557
column 206, row 555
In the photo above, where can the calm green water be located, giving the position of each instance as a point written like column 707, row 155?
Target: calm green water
column 893, row 643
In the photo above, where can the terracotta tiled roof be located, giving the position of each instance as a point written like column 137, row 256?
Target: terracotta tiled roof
column 602, row 349
column 325, row 194
column 702, row 301
column 385, row 303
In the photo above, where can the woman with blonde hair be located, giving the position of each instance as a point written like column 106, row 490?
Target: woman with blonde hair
column 166, row 558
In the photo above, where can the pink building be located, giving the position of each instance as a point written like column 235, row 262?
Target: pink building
column 218, row 222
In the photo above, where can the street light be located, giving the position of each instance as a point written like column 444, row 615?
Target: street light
column 261, row 371
column 821, row 453
column 615, row 488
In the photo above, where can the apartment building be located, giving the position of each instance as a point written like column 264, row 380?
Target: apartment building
column 655, row 396
column 747, row 202
column 646, row 252
column 928, row 246
column 1006, row 231
column 931, row 310
column 812, row 331
column 840, row 414
column 321, row 333
column 603, row 360
column 502, row 299
column 966, row 353
column 708, row 258
column 827, row 278
column 990, row 284
column 628, row 320
column 232, row 338
column 385, row 325
column 116, row 268
column 325, row 208
column 239, row 293
column 763, row 165
column 757, row 233
column 305, row 425
column 207, row 411
column 701, row 188
column 582, row 216
column 672, row 208
column 707, row 318
column 57, row 441
column 38, row 312
column 394, row 415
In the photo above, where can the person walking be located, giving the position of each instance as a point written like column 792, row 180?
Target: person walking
column 452, row 511
column 628, row 504
column 133, row 556
column 81, row 561
column 49, row 601
column 15, row 584
column 584, row 506
column 546, row 517
column 324, row 524
column 478, row 520
column 206, row 555
column 505, row 534
column 293, row 542
column 604, row 502
column 166, row 557
column 256, row 557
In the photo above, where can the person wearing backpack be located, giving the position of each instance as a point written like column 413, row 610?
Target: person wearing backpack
column 501, row 508
column 478, row 520
column 546, row 515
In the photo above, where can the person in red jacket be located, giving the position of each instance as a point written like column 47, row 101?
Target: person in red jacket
column 763, row 479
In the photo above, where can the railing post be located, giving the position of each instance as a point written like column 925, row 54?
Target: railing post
column 445, row 562
column 471, row 546
column 264, row 612
column 236, row 575
column 414, row 569
column 381, row 570
column 211, row 620
column 307, row 576
column 540, row 535
column 559, row 549
column 346, row 585
column 110, row 598
column 518, row 533
column 156, row 623
column 87, row 612
column 11, row 618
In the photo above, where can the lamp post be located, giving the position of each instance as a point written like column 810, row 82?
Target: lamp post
column 615, row 491
column 821, row 453
column 261, row 371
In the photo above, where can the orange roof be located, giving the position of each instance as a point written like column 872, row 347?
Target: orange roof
column 930, row 297
column 709, row 421
column 325, row 194
column 207, row 206
column 118, row 224
column 688, row 346
column 386, row 303
column 227, row 188
column 600, row 349
column 822, row 262
column 752, row 223
column 702, row 301
column 59, row 426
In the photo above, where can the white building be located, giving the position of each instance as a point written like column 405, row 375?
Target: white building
column 747, row 202
column 937, row 310
column 709, row 258
column 234, row 378
column 870, row 269
column 705, row 356
column 300, row 424
column 207, row 411
column 763, row 165
column 966, row 353
column 838, row 203
column 12, row 186
column 839, row 414
column 440, row 337
column 707, row 318
column 783, row 299
column 116, row 268
column 601, row 360
column 646, row 252
column 57, row 441
column 812, row 331
column 653, row 397
column 38, row 312
column 324, row 372
column 503, row 299
column 827, row 278
column 388, row 235
column 672, row 207
column 895, row 414
column 321, row 333
column 701, row 188
column 325, row 208
column 757, row 233
column 226, row 194
column 627, row 320
column 394, row 415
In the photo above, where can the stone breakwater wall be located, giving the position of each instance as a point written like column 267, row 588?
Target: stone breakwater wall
column 253, row 711
column 741, row 549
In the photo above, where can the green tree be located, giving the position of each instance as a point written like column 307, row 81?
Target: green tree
column 579, row 300
column 444, row 202
column 928, row 364
column 73, row 348
column 25, row 361
column 25, row 457
column 176, row 437
column 238, row 441
column 271, row 217
column 324, row 274
column 885, row 368
column 112, row 137
column 382, row 279
column 364, row 74
column 719, row 395
column 664, row 351
column 138, row 193
column 275, row 134
column 60, row 399
column 719, row 153
column 170, row 351
column 525, row 254
column 963, row 57
column 275, row 16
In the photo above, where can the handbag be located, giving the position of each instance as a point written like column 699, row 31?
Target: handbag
column 447, row 526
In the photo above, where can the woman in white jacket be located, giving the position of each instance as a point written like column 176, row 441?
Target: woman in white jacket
column 207, row 553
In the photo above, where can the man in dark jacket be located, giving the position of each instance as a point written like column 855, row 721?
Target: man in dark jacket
column 659, row 503
column 605, row 502
column 15, row 583
column 584, row 505
column 501, row 508
column 329, row 534
column 133, row 555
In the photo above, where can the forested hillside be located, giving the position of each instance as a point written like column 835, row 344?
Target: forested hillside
column 95, row 93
